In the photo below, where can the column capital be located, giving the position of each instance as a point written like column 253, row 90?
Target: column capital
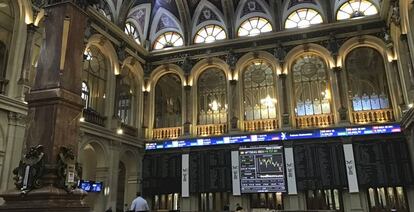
column 337, row 69
column 233, row 82
column 282, row 76
column 31, row 28
column 187, row 87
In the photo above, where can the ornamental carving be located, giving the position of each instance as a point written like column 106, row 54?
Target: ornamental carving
column 30, row 170
column 67, row 169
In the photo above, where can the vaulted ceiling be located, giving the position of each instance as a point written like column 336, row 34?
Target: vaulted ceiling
column 154, row 17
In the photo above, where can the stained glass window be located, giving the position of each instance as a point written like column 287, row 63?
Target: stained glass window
column 311, row 86
column 131, row 30
column 95, row 70
column 254, row 26
column 302, row 18
column 356, row 9
column 368, row 90
column 259, row 92
column 209, row 34
column 168, row 101
column 212, row 97
column 168, row 40
column 126, row 96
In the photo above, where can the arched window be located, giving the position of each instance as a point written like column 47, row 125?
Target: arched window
column 367, row 81
column 132, row 32
column 168, row 40
column 311, row 86
column 302, row 18
column 126, row 90
column 85, row 94
column 168, row 101
column 209, row 34
column 259, row 94
column 95, row 71
column 254, row 26
column 356, row 9
column 212, row 97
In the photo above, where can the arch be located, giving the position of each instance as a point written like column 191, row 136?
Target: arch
column 136, row 14
column 288, row 9
column 107, row 49
column 251, row 56
column 204, row 64
column 199, row 11
column 165, row 16
column 339, row 3
column 163, row 70
column 156, row 74
column 364, row 41
column 98, row 148
column 387, row 56
column 240, row 18
column 242, row 65
column 308, row 48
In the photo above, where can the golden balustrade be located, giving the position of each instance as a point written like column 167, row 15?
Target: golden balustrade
column 372, row 116
column 211, row 129
column 260, row 125
column 166, row 133
column 321, row 120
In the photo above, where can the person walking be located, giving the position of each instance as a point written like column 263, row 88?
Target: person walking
column 139, row 204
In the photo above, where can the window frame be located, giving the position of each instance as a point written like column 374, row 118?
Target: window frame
column 260, row 29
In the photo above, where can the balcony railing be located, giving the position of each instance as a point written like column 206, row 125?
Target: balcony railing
column 321, row 120
column 129, row 130
column 211, row 129
column 260, row 125
column 93, row 117
column 165, row 133
column 372, row 116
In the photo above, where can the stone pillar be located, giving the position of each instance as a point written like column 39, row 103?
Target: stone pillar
column 233, row 105
column 399, row 92
column 53, row 119
column 112, row 179
column 285, row 104
column 188, row 110
column 23, row 83
column 342, row 110
column 145, row 116
column 14, row 147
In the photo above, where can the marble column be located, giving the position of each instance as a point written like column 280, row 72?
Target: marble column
column 285, row 105
column 23, row 83
column 47, row 173
column 14, row 145
column 145, row 116
column 188, row 110
column 233, row 106
column 342, row 110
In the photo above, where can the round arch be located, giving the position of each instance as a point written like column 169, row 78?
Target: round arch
column 197, row 70
column 387, row 55
column 159, row 72
column 244, row 63
column 107, row 49
column 252, row 56
column 306, row 49
column 288, row 10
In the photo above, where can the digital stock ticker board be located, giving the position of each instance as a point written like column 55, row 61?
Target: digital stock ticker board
column 261, row 169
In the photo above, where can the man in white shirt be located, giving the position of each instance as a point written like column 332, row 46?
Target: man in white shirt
column 139, row 204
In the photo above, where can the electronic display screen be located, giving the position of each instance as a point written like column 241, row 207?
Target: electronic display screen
column 276, row 136
column 261, row 169
column 90, row 186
